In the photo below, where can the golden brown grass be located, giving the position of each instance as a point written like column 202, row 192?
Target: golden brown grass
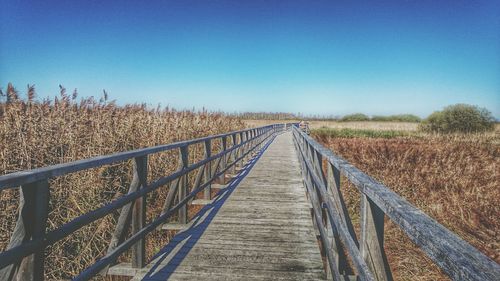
column 455, row 179
column 36, row 134
column 364, row 125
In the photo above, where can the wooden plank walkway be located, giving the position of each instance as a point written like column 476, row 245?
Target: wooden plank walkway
column 259, row 228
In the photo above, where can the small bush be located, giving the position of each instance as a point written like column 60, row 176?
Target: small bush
column 355, row 117
column 459, row 118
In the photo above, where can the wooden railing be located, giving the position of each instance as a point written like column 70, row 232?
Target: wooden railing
column 24, row 257
column 458, row 259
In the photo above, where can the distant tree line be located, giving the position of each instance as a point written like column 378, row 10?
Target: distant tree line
column 281, row 116
column 265, row 115
column 316, row 117
column 381, row 118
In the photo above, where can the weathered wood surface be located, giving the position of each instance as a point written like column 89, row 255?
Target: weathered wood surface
column 258, row 229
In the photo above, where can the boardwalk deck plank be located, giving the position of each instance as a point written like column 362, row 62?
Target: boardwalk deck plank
column 262, row 231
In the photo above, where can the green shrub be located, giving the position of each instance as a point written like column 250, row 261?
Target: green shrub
column 355, row 117
column 459, row 118
column 397, row 118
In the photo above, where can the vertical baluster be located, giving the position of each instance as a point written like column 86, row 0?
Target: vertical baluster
column 222, row 178
column 372, row 239
column 333, row 189
column 243, row 139
column 318, row 167
column 36, row 198
column 241, row 150
column 183, row 184
column 123, row 223
column 234, row 153
column 225, row 157
column 249, row 145
column 207, row 193
column 139, row 212
column 31, row 224
column 259, row 134
column 252, row 136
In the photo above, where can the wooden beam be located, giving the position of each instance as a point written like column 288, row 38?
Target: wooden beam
column 139, row 213
column 123, row 222
column 31, row 224
column 372, row 240
column 183, row 184
column 207, row 193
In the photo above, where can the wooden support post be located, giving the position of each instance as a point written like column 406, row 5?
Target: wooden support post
column 123, row 222
column 372, row 239
column 241, row 150
column 31, row 224
column 245, row 148
column 318, row 169
column 38, row 194
column 257, row 133
column 183, row 185
column 207, row 193
column 252, row 136
column 333, row 189
column 222, row 178
column 139, row 212
column 234, row 153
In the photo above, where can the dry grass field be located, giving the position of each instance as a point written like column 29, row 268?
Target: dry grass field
column 35, row 134
column 455, row 179
column 365, row 125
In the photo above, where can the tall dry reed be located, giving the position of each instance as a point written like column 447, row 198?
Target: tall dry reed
column 40, row 133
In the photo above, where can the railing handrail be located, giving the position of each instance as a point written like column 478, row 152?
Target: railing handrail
column 457, row 258
column 34, row 185
column 16, row 179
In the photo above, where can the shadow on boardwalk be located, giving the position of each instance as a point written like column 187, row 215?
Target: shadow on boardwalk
column 170, row 257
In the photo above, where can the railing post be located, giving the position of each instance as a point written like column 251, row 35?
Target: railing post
column 317, row 164
column 333, row 188
column 207, row 193
column 242, row 149
column 372, row 239
column 139, row 212
column 234, row 153
column 222, row 177
column 253, row 136
column 248, row 145
column 124, row 220
column 31, row 224
column 244, row 138
column 183, row 185
column 37, row 195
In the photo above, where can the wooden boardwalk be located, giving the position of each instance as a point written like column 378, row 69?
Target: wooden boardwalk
column 258, row 228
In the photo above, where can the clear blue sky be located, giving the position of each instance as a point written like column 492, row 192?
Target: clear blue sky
column 323, row 57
